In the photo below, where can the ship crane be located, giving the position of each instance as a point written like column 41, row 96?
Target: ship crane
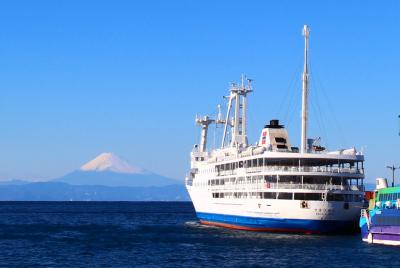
column 204, row 122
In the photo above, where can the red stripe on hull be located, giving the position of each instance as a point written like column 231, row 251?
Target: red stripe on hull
column 256, row 229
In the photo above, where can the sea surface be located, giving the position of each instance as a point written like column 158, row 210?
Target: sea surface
column 162, row 234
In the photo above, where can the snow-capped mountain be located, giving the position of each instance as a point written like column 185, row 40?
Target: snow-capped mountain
column 107, row 169
column 111, row 162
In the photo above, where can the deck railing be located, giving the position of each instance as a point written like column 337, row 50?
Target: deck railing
column 290, row 170
column 266, row 186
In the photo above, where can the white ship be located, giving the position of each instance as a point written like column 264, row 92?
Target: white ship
column 273, row 186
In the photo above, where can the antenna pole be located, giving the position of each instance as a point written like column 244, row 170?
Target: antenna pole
column 304, row 110
column 393, row 169
column 236, row 126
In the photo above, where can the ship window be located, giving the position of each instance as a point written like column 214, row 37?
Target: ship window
column 269, row 195
column 269, row 179
column 290, row 179
column 287, row 196
column 308, row 196
column 240, row 164
column 254, row 162
column 279, row 139
column 280, row 146
column 335, row 197
column 313, row 196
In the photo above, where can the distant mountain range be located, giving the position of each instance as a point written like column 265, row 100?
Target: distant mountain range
column 109, row 170
column 105, row 178
column 58, row 191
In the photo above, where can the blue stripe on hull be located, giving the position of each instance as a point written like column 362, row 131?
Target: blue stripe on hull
column 279, row 225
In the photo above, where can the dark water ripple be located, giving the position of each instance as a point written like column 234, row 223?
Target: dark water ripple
column 154, row 234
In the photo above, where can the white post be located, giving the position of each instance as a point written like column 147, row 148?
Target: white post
column 304, row 110
column 228, row 112
column 236, row 127
column 203, row 139
column 244, row 117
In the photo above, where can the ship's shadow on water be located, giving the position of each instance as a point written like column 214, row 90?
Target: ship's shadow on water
column 157, row 234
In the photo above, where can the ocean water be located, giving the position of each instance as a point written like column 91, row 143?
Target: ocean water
column 162, row 234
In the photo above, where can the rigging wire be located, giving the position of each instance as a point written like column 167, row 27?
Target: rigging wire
column 318, row 110
column 293, row 105
column 287, row 94
column 331, row 109
column 290, row 94
column 319, row 120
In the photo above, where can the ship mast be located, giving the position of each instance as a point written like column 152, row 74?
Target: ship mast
column 304, row 110
column 238, row 94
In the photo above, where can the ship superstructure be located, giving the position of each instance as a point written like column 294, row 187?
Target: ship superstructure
column 272, row 185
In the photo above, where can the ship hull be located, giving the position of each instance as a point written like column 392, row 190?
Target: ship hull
column 285, row 216
column 260, row 224
column 386, row 233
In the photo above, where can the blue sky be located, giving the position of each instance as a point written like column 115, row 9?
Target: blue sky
column 78, row 78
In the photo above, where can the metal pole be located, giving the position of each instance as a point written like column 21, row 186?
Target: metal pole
column 304, row 110
column 393, row 169
column 236, row 127
column 228, row 112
